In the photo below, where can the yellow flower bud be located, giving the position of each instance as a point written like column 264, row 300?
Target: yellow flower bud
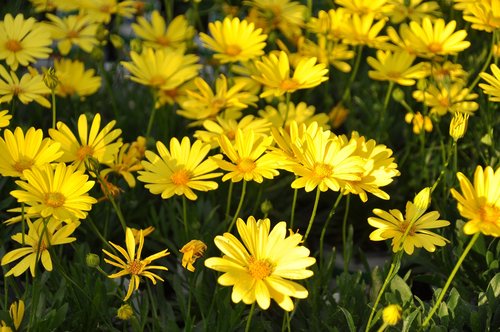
column 458, row 125
column 338, row 115
column 92, row 260
column 125, row 312
column 266, row 207
column 392, row 314
column 50, row 78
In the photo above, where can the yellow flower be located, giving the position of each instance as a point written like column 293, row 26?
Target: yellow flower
column 179, row 171
column 102, row 10
column 458, row 125
column 248, row 158
column 16, row 312
column 234, row 40
column 415, row 224
column 300, row 113
column 444, row 73
column 5, row 118
column 204, row 103
column 158, row 35
column 414, row 10
column 126, row 161
column 259, row 267
column 379, row 8
column 480, row 203
column 133, row 265
column 419, row 122
column 395, row 67
column 192, row 250
column 29, row 88
column 125, row 312
column 483, row 15
column 360, row 30
column 74, row 79
column 72, row 30
column 60, row 192
column 338, row 115
column 493, row 87
column 392, row 314
column 330, row 25
column 162, row 69
column 42, row 234
column 23, row 41
column 274, row 73
column 44, row 5
column 327, row 52
column 145, row 232
column 97, row 144
column 19, row 151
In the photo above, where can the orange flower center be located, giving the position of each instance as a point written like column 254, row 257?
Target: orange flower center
column 73, row 34
column 490, row 214
column 16, row 90
column 218, row 103
column 321, row 171
column 163, row 41
column 22, row 164
column 233, row 50
column 259, row 268
column 289, row 84
column 157, row 80
column 83, row 152
column 180, row 178
column 54, row 200
column 135, row 267
column 404, row 225
column 13, row 45
column 435, row 47
column 40, row 246
column 246, row 165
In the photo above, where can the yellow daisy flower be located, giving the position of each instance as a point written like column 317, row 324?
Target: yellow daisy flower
column 484, row 15
column 179, row 171
column 97, row 144
column 74, row 80
column 19, row 152
column 274, row 74
column 248, row 158
column 413, row 10
column 300, row 113
column 444, row 73
column 126, row 161
column 234, row 40
column 379, row 8
column 480, row 202
column 60, row 192
column 395, row 67
column 102, row 10
column 192, row 250
column 162, row 69
column 72, row 30
column 158, row 35
column 42, row 234
column 132, row 264
column 492, row 89
column 394, row 225
column 329, row 25
column 27, row 89
column 16, row 312
column 361, row 30
column 5, row 118
column 327, row 52
column 44, row 5
column 260, row 267
column 23, row 41
column 419, row 122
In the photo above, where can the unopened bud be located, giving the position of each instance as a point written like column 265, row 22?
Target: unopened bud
column 92, row 260
column 50, row 78
column 125, row 312
column 458, row 125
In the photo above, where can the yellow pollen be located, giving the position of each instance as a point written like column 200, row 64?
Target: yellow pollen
column 403, row 226
column 435, row 47
column 135, row 267
column 444, row 101
column 54, row 200
column 322, row 171
column 246, row 165
column 180, row 177
column 490, row 214
column 233, row 50
column 289, row 84
column 13, row 45
column 22, row 164
column 83, row 152
column 259, row 268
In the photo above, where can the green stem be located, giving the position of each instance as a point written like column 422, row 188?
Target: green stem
column 344, row 234
column 485, row 66
column 184, row 216
column 229, row 196
column 249, row 318
column 240, row 204
column 294, row 204
column 151, row 117
column 287, row 102
column 313, row 214
column 445, row 166
column 380, row 128
column 450, row 279
column 325, row 226
column 354, row 72
column 53, row 109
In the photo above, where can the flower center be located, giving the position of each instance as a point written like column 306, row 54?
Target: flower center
column 246, row 165
column 218, row 103
column 289, row 84
column 180, row 177
column 135, row 267
column 22, row 164
column 321, row 171
column 259, row 268
column 233, row 50
column 157, row 80
column 73, row 34
column 435, row 47
column 13, row 45
column 54, row 200
column 163, row 41
column 40, row 247
column 16, row 90
column 83, row 152
column 490, row 214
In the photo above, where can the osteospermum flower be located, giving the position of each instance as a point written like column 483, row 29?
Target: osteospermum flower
column 447, row 98
column 57, row 191
column 484, row 15
column 180, row 170
column 480, row 202
column 493, row 87
column 414, row 10
column 132, row 264
column 192, row 250
column 415, row 225
column 27, row 89
column 5, row 118
column 300, row 113
column 420, row 122
column 158, row 35
column 74, row 80
column 42, row 235
column 95, row 143
column 329, row 25
column 274, row 74
column 77, row 30
column 126, row 161
column 19, row 151
column 260, row 267
column 362, row 30
column 395, row 67
column 234, row 40
column 103, row 10
column 23, row 41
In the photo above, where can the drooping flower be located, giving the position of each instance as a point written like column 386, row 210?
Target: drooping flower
column 27, row 89
column 260, row 267
column 132, row 264
column 74, row 80
column 77, row 30
column 192, row 250
column 127, row 160
column 419, row 122
column 180, row 170
column 480, row 202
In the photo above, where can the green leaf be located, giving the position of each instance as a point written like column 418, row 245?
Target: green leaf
column 408, row 320
column 400, row 286
column 348, row 317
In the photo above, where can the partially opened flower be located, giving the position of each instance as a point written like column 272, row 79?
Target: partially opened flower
column 480, row 202
column 284, row 114
column 192, row 250
column 133, row 264
column 492, row 89
column 5, row 118
column 260, row 267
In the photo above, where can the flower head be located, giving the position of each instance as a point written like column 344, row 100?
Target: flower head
column 71, row 30
column 480, row 202
column 125, row 312
column 259, row 267
column 284, row 113
column 192, row 250
column 492, row 89
column 391, row 314
column 27, row 89
column 458, row 125
column 132, row 264
column 419, row 122
column 127, row 160
column 395, row 67
column 74, row 79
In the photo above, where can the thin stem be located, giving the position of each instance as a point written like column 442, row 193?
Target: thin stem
column 445, row 166
column 313, row 214
column 450, row 279
column 325, row 226
column 354, row 72
column 240, row 204
column 249, row 318
column 485, row 66
column 287, row 102
column 294, row 204
column 184, row 216
column 151, row 117
column 380, row 128
column 344, row 234
column 229, row 196
column 53, row 109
